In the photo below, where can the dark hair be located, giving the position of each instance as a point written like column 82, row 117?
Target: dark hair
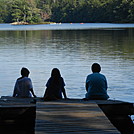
column 55, row 73
column 56, row 77
column 96, row 68
column 24, row 71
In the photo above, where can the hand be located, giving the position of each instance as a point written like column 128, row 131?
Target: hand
column 85, row 99
column 66, row 98
column 35, row 96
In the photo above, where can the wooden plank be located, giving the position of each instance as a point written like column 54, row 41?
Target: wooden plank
column 71, row 117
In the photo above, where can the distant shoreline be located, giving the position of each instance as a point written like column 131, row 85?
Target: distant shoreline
column 65, row 26
column 26, row 23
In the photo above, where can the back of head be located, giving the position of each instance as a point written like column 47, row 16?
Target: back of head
column 55, row 73
column 96, row 68
column 24, row 72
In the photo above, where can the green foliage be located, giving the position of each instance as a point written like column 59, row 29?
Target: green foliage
column 35, row 11
column 93, row 11
column 19, row 10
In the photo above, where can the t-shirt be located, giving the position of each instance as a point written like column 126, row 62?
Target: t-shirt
column 22, row 87
column 97, row 86
column 55, row 89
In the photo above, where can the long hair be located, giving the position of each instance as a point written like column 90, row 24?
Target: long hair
column 55, row 75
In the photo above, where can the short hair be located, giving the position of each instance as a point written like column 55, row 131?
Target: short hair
column 25, row 71
column 96, row 67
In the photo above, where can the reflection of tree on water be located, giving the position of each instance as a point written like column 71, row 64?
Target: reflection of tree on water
column 100, row 40
column 106, row 42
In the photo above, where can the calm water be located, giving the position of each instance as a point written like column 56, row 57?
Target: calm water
column 73, row 52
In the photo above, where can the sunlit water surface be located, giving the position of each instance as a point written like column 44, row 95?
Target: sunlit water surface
column 73, row 52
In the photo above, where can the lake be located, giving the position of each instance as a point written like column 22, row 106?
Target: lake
column 72, row 48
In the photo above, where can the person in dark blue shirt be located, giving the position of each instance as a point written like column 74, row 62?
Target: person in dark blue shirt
column 55, row 86
column 96, row 84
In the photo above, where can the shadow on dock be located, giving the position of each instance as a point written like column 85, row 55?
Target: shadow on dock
column 25, row 116
column 119, row 113
column 17, row 117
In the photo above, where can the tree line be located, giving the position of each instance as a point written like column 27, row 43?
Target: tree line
column 69, row 11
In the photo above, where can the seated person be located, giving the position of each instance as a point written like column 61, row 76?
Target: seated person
column 55, row 86
column 23, row 86
column 96, row 84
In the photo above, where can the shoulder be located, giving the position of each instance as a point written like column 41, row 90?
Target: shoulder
column 90, row 75
column 19, row 78
column 102, row 75
column 99, row 75
column 50, row 79
column 62, row 79
column 95, row 75
column 25, row 79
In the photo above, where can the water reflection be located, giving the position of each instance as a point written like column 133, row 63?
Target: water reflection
column 72, row 51
column 116, row 41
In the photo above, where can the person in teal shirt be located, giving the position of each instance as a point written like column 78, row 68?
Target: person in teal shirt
column 96, row 84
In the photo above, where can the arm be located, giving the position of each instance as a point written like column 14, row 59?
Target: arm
column 14, row 94
column 63, row 89
column 106, row 83
column 33, row 92
column 64, row 93
column 86, row 83
column 87, row 87
column 30, row 86
column 15, row 90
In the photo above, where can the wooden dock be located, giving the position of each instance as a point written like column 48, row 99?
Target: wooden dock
column 71, row 117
